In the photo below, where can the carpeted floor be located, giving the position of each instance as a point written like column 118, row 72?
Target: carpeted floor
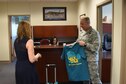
column 7, row 73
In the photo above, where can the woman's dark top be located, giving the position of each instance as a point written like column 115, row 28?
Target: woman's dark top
column 25, row 72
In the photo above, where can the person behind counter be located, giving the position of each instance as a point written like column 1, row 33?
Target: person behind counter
column 25, row 72
column 55, row 41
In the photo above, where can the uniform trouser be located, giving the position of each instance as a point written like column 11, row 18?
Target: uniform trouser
column 94, row 72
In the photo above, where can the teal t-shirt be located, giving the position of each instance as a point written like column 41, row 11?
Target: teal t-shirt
column 76, row 62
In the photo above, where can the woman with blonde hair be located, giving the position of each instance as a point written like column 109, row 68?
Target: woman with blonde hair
column 25, row 71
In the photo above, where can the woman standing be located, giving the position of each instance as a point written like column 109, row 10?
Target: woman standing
column 25, row 71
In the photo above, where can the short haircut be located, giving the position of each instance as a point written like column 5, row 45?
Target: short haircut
column 87, row 19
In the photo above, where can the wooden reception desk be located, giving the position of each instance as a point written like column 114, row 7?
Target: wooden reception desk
column 51, row 55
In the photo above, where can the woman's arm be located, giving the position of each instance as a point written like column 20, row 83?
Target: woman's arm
column 30, row 47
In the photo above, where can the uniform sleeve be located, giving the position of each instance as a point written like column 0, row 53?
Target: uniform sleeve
column 95, row 44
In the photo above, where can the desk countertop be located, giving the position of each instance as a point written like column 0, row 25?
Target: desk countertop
column 48, row 46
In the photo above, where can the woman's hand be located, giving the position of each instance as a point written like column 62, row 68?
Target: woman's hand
column 38, row 55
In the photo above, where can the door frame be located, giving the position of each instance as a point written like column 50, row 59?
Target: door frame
column 123, row 52
column 99, row 27
column 11, row 51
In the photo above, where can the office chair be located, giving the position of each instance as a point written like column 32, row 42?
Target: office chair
column 44, row 42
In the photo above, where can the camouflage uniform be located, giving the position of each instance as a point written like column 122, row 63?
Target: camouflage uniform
column 92, row 39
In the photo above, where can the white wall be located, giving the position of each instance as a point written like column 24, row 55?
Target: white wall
column 35, row 11
column 4, row 45
column 82, row 9
column 36, row 14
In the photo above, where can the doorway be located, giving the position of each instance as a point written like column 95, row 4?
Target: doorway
column 13, row 25
column 104, row 25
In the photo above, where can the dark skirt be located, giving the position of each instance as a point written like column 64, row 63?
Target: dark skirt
column 25, row 73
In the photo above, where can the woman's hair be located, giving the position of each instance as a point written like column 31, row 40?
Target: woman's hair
column 56, row 40
column 23, row 30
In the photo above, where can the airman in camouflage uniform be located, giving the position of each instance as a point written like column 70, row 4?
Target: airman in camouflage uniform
column 91, row 40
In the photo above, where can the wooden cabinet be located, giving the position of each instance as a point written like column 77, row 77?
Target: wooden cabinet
column 106, row 60
column 106, row 67
column 107, row 27
column 64, row 33
column 106, row 70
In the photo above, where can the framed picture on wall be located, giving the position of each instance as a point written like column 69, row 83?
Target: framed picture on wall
column 54, row 13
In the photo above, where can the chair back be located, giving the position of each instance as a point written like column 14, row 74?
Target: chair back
column 44, row 42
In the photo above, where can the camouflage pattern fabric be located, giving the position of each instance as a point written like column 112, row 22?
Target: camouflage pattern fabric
column 92, row 39
column 94, row 75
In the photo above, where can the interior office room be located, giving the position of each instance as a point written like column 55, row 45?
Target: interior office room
column 112, row 69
